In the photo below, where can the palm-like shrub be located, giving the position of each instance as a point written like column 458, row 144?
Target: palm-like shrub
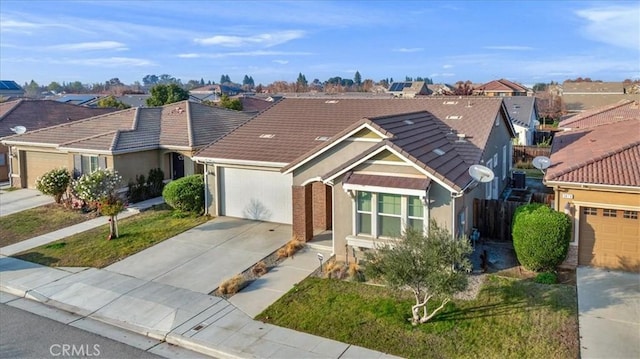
column 540, row 236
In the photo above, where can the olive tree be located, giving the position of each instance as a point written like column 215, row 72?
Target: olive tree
column 432, row 266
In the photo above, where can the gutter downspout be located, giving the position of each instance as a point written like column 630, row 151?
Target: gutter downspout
column 10, row 166
column 206, row 186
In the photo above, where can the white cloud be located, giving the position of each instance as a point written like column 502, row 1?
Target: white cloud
column 510, row 48
column 613, row 25
column 189, row 56
column 86, row 46
column 262, row 40
column 447, row 66
column 405, row 49
column 244, row 54
column 442, row 74
column 281, row 62
column 109, row 62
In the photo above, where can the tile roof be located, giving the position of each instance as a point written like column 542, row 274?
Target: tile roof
column 624, row 109
column 179, row 125
column 286, row 132
column 254, row 104
column 592, row 87
column 502, row 85
column 520, row 109
column 606, row 154
column 386, row 181
column 37, row 114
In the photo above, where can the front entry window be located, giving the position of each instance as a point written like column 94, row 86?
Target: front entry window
column 389, row 215
column 415, row 213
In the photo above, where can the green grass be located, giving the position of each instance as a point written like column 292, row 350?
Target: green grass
column 33, row 222
column 511, row 318
column 92, row 249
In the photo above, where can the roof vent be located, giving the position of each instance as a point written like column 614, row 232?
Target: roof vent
column 267, row 135
column 322, row 138
column 439, row 152
column 469, row 104
column 331, row 101
column 408, row 122
column 450, row 103
column 461, row 137
column 453, row 117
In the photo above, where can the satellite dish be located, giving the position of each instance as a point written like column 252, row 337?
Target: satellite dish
column 481, row 173
column 541, row 162
column 19, row 129
column 536, row 123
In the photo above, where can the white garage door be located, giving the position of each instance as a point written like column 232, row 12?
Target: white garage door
column 255, row 194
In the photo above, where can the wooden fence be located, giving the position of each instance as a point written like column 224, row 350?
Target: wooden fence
column 528, row 153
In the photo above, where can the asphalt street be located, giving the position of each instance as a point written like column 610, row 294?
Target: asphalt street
column 26, row 335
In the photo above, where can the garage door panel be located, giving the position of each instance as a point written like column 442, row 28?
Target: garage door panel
column 607, row 239
column 255, row 194
column 39, row 163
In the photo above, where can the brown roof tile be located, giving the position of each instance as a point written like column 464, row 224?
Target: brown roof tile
column 287, row 130
column 180, row 125
column 37, row 114
column 387, row 181
column 502, row 85
column 622, row 110
column 607, row 154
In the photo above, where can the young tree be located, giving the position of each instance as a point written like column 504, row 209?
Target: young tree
column 112, row 102
column 431, row 266
column 357, row 79
column 166, row 94
column 301, row 83
column 98, row 189
column 231, row 104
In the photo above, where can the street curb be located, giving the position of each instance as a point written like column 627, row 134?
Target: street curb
column 195, row 346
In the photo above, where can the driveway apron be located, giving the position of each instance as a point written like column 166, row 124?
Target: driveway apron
column 201, row 258
column 609, row 313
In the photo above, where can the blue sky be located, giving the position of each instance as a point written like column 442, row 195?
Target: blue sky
column 525, row 41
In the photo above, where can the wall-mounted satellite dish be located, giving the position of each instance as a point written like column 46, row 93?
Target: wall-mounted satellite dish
column 481, row 173
column 19, row 129
column 536, row 123
column 541, row 163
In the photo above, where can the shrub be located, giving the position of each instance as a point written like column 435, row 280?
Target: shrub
column 231, row 285
column 540, row 236
column 185, row 194
column 355, row 272
column 144, row 188
column 289, row 249
column 96, row 186
column 54, row 183
column 155, row 183
column 259, row 269
column 546, row 278
column 138, row 190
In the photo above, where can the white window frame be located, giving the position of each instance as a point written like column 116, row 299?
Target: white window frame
column 504, row 161
column 404, row 211
column 488, row 187
column 92, row 160
column 415, row 217
column 357, row 217
column 401, row 216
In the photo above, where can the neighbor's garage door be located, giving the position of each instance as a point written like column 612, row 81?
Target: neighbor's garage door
column 38, row 163
column 255, row 194
column 609, row 238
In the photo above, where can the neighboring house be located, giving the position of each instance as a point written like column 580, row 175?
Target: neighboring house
column 596, row 179
column 502, row 88
column 131, row 141
column 583, row 96
column 523, row 112
column 409, row 89
column 34, row 115
column 78, row 99
column 441, row 89
column 10, row 89
column 134, row 100
column 205, row 92
column 362, row 168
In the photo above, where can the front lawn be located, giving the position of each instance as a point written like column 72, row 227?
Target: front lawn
column 33, row 222
column 92, row 249
column 511, row 318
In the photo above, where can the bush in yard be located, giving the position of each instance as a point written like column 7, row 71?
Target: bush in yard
column 546, row 278
column 185, row 194
column 541, row 236
column 96, row 186
column 232, row 285
column 54, row 183
column 155, row 183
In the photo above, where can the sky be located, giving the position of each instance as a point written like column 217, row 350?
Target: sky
column 447, row 41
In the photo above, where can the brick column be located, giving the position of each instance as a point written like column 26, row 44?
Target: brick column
column 302, row 198
column 319, row 207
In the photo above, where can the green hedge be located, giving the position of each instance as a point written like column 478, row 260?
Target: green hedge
column 540, row 236
column 185, row 194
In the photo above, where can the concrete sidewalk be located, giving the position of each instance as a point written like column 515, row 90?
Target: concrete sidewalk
column 77, row 228
column 199, row 322
column 21, row 199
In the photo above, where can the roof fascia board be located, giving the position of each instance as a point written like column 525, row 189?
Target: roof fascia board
column 390, row 149
column 34, row 144
column 324, row 149
column 586, row 186
column 209, row 160
column 390, row 190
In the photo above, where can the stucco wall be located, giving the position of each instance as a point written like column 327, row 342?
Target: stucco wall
column 133, row 164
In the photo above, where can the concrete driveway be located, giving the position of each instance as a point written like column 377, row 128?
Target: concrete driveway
column 20, row 200
column 609, row 313
column 202, row 257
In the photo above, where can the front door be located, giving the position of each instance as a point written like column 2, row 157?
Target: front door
column 177, row 164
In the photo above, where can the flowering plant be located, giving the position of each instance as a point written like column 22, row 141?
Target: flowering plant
column 54, row 183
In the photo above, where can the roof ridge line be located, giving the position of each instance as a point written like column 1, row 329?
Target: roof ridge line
column 18, row 102
column 87, row 138
column 190, row 136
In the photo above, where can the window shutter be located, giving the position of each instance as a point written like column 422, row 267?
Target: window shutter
column 102, row 162
column 77, row 166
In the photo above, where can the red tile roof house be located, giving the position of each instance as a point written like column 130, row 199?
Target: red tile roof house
column 360, row 168
column 33, row 115
column 502, row 88
column 131, row 141
column 595, row 174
